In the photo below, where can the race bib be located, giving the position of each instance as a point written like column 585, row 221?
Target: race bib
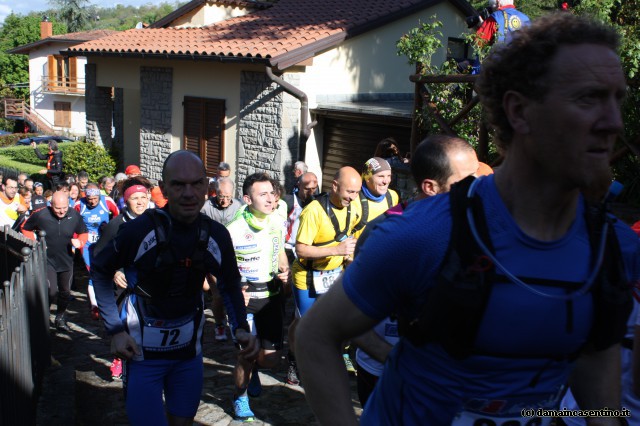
column 322, row 280
column 467, row 418
column 93, row 238
column 167, row 335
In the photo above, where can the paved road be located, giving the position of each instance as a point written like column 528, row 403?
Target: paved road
column 80, row 390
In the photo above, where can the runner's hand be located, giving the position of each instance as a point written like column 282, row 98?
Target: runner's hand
column 347, row 247
column 123, row 346
column 248, row 343
column 120, row 279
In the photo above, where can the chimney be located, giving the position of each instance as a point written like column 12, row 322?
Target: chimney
column 46, row 28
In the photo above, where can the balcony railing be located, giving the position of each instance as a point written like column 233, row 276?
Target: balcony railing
column 63, row 85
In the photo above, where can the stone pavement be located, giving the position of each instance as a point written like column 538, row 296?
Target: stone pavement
column 79, row 390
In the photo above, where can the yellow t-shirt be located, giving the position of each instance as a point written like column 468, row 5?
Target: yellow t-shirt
column 376, row 208
column 316, row 227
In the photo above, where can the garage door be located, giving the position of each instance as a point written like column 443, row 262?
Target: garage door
column 351, row 141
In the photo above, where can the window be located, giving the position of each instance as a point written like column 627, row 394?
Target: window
column 62, row 74
column 62, row 114
column 204, row 130
column 457, row 49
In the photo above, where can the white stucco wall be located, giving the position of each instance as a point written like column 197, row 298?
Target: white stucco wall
column 209, row 14
column 369, row 64
column 43, row 102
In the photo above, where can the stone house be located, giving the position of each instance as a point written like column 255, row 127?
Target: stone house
column 57, row 82
column 260, row 85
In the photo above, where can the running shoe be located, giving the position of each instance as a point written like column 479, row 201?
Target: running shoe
column 241, row 410
column 347, row 363
column 292, row 374
column 255, row 387
column 61, row 323
column 221, row 333
column 116, row 369
column 95, row 313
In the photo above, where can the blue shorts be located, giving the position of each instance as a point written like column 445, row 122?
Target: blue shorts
column 181, row 381
column 303, row 300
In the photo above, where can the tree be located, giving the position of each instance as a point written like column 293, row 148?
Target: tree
column 74, row 13
column 16, row 31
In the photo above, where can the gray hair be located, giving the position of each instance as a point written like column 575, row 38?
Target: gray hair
column 224, row 166
column 224, row 180
column 301, row 165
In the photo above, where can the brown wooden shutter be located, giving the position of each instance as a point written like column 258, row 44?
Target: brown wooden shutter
column 51, row 77
column 62, row 114
column 73, row 72
column 204, row 130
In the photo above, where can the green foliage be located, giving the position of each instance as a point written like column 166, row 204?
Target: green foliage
column 10, row 140
column 16, row 31
column 89, row 157
column 421, row 43
column 73, row 13
column 25, row 154
column 31, row 169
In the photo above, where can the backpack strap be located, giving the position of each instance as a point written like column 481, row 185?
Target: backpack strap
column 456, row 304
column 364, row 202
column 340, row 234
column 612, row 292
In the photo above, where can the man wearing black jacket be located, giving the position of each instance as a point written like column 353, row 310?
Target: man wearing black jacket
column 54, row 163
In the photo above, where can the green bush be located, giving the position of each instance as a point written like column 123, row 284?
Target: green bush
column 25, row 154
column 89, row 157
column 10, row 140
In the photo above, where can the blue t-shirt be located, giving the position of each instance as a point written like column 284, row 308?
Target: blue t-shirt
column 397, row 266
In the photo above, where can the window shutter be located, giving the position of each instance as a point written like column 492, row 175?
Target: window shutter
column 51, row 76
column 204, row 130
column 73, row 72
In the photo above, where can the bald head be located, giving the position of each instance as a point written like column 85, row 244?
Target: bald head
column 346, row 186
column 441, row 160
column 60, row 203
column 181, row 158
column 184, row 185
column 307, row 186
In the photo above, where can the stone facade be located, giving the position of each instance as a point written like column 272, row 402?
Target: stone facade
column 156, row 86
column 99, row 109
column 118, row 124
column 267, row 127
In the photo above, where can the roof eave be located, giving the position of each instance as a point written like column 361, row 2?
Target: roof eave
column 177, row 56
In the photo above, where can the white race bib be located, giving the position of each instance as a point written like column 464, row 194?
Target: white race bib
column 322, row 280
column 167, row 335
column 93, row 238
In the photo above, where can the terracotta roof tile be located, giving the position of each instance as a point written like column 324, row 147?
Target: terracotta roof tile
column 284, row 34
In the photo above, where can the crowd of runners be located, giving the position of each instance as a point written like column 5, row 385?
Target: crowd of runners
column 481, row 296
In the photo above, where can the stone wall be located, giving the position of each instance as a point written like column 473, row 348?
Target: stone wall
column 156, row 86
column 99, row 109
column 267, row 127
column 118, row 124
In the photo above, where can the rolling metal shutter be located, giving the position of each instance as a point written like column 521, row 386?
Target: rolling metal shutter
column 350, row 140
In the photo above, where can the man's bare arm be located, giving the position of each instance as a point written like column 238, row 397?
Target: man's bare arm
column 595, row 382
column 345, row 248
column 374, row 345
column 332, row 320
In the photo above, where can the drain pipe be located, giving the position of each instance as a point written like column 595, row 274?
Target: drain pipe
column 304, row 110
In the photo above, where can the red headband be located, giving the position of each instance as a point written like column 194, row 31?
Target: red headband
column 133, row 189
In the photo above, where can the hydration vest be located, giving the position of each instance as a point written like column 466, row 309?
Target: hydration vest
column 455, row 307
column 364, row 202
column 160, row 279
column 508, row 20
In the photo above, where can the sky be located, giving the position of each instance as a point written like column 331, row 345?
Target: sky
column 23, row 7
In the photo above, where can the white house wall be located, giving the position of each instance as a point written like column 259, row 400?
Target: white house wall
column 369, row 64
column 42, row 102
column 208, row 14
